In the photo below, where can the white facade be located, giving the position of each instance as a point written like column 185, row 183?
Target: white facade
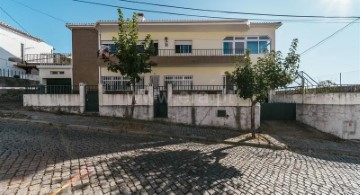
column 15, row 43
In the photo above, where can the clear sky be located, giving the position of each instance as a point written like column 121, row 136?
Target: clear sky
column 339, row 54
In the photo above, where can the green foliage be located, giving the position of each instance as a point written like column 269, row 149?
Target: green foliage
column 254, row 81
column 132, row 61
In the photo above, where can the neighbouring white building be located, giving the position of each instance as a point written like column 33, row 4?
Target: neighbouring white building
column 30, row 57
column 15, row 46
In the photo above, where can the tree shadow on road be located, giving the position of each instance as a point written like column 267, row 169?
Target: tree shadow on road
column 180, row 171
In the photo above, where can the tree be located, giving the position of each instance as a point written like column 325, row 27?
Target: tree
column 133, row 59
column 254, row 81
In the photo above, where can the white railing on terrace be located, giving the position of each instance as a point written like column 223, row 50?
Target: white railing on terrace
column 53, row 59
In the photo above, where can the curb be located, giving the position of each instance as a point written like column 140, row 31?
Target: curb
column 143, row 133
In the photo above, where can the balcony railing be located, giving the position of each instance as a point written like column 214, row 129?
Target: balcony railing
column 319, row 89
column 201, row 52
column 51, row 59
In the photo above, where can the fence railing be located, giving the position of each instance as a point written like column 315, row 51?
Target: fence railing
column 211, row 89
column 201, row 52
column 124, row 89
column 52, row 59
column 18, row 74
column 320, row 89
column 52, row 89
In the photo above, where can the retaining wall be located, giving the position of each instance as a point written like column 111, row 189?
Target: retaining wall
column 334, row 113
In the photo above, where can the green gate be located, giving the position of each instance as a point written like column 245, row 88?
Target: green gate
column 160, row 102
column 278, row 111
column 92, row 98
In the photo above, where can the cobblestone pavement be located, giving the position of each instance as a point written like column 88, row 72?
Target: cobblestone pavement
column 39, row 159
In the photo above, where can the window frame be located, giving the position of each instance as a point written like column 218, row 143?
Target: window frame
column 245, row 40
column 183, row 48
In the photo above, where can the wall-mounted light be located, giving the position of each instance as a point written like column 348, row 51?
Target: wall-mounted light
column 166, row 41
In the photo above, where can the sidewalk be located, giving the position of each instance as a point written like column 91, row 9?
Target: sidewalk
column 275, row 134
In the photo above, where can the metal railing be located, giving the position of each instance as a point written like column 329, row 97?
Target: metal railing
column 320, row 89
column 52, row 89
column 201, row 52
column 17, row 74
column 210, row 89
column 124, row 89
column 52, row 59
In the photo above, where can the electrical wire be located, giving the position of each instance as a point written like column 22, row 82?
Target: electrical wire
column 242, row 13
column 203, row 16
column 39, row 11
column 329, row 37
column 14, row 19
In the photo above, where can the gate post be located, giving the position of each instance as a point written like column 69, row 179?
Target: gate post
column 101, row 92
column 169, row 94
column 82, row 92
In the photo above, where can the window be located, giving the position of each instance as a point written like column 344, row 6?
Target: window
column 183, row 46
column 110, row 45
column 238, row 45
column 178, row 80
column 119, row 83
column 234, row 45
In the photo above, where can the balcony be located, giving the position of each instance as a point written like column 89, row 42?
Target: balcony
column 172, row 56
column 56, row 59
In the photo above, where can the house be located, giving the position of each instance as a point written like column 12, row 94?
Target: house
column 188, row 52
column 29, row 57
column 15, row 46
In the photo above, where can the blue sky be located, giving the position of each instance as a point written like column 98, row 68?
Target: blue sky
column 339, row 54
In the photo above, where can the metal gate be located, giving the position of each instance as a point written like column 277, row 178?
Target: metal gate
column 160, row 102
column 278, row 111
column 92, row 98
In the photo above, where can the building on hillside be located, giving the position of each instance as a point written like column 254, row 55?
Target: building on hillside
column 26, row 56
column 189, row 52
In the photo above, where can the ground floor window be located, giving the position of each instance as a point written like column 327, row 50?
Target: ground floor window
column 178, row 80
column 119, row 83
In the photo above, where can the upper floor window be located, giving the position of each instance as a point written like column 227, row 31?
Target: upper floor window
column 183, row 46
column 110, row 45
column 255, row 44
column 234, row 45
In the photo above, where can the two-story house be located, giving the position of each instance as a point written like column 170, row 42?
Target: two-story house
column 188, row 52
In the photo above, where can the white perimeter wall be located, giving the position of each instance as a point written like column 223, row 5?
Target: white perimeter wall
column 335, row 113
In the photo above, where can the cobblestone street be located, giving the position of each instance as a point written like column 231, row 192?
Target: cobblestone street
column 40, row 159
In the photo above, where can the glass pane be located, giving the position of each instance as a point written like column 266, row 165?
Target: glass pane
column 239, row 47
column 264, row 46
column 253, row 47
column 177, row 49
column 228, row 47
column 239, row 38
column 229, row 38
column 264, row 37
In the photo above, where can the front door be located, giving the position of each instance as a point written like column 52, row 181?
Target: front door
column 92, row 98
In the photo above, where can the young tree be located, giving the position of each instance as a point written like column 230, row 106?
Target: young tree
column 132, row 60
column 254, row 81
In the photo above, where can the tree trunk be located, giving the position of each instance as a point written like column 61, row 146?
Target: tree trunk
column 133, row 101
column 253, row 129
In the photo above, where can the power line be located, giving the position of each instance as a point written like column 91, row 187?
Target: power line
column 14, row 20
column 243, row 13
column 39, row 11
column 195, row 15
column 329, row 37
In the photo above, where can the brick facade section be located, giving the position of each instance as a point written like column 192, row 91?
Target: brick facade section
column 85, row 60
